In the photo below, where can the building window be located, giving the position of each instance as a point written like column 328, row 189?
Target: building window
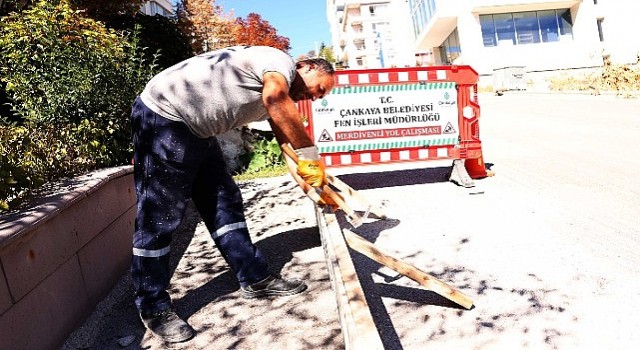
column 375, row 10
column 548, row 26
column 488, row 28
column 600, row 33
column 526, row 27
column 505, row 29
column 565, row 23
column 421, row 13
column 450, row 49
column 156, row 9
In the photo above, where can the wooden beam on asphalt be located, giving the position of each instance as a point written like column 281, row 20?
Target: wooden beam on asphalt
column 358, row 329
column 359, row 244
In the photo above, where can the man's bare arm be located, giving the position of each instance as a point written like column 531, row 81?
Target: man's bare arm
column 285, row 120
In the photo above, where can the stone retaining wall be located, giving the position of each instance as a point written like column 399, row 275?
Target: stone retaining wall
column 59, row 258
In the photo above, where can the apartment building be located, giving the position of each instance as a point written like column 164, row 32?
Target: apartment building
column 538, row 35
column 158, row 7
column 371, row 34
column 541, row 36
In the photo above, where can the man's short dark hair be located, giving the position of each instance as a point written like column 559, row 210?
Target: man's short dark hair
column 320, row 63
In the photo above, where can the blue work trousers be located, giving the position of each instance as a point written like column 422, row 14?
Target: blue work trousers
column 172, row 165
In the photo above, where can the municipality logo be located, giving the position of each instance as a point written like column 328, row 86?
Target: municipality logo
column 447, row 100
column 324, row 107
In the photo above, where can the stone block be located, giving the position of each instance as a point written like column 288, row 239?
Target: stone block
column 100, row 208
column 5, row 297
column 106, row 257
column 49, row 313
column 35, row 255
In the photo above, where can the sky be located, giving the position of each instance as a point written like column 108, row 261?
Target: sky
column 304, row 22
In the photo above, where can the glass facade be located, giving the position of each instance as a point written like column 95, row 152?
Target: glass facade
column 548, row 26
column 521, row 28
column 450, row 49
column 527, row 28
column 505, row 29
column 421, row 13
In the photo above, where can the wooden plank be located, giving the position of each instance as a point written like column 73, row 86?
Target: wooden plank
column 291, row 160
column 358, row 329
column 348, row 192
column 424, row 279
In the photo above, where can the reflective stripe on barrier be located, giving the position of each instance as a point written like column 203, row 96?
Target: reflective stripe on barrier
column 386, row 156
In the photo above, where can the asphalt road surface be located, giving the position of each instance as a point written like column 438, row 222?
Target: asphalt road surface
column 547, row 248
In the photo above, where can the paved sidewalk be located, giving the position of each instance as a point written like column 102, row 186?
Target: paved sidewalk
column 205, row 292
column 547, row 248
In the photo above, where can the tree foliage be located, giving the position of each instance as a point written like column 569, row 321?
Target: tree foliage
column 256, row 31
column 206, row 25
column 8, row 6
column 103, row 9
column 96, row 9
column 62, row 66
column 158, row 34
column 326, row 52
column 209, row 27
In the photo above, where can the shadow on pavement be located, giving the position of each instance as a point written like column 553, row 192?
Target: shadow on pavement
column 205, row 292
column 278, row 251
column 366, row 181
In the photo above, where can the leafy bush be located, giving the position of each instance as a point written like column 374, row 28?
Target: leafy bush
column 71, row 82
column 266, row 154
column 60, row 66
column 621, row 78
column 31, row 155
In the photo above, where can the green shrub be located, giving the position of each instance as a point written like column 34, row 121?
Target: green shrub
column 60, row 66
column 266, row 154
column 31, row 155
column 71, row 83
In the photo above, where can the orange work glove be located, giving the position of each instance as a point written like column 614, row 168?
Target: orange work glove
column 310, row 166
column 325, row 199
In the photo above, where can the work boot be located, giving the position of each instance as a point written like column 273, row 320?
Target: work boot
column 459, row 175
column 168, row 326
column 272, row 286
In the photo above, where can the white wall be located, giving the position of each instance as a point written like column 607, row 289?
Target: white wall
column 584, row 50
column 151, row 7
column 398, row 48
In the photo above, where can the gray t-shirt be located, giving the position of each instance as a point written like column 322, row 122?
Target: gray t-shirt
column 219, row 90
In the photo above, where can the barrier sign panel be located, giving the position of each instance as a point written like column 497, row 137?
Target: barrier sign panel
column 381, row 117
column 387, row 115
